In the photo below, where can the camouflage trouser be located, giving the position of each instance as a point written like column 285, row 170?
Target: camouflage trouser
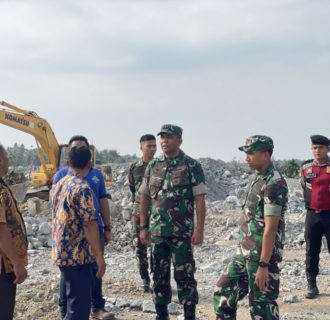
column 237, row 281
column 180, row 251
column 141, row 250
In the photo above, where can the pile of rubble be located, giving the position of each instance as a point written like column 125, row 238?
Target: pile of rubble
column 122, row 284
column 225, row 192
column 14, row 177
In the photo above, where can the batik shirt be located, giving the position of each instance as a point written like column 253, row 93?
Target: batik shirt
column 95, row 180
column 11, row 216
column 72, row 207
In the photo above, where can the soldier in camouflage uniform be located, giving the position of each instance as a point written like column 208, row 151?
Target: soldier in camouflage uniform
column 135, row 176
column 174, row 183
column 254, row 268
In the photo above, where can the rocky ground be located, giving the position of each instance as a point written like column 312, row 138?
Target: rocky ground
column 37, row 296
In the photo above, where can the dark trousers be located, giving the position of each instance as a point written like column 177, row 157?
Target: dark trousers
column 7, row 295
column 317, row 225
column 97, row 298
column 78, row 283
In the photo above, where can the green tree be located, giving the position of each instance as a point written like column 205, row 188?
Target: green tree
column 292, row 169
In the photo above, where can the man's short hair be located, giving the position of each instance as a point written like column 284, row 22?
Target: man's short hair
column 79, row 157
column 147, row 137
column 78, row 138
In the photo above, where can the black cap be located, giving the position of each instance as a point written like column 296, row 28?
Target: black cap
column 321, row 140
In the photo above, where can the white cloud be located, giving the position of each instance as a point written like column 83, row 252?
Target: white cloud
column 221, row 69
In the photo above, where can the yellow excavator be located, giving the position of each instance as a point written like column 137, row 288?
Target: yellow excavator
column 52, row 155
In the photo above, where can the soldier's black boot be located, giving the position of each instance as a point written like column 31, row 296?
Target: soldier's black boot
column 146, row 285
column 189, row 311
column 162, row 312
column 312, row 290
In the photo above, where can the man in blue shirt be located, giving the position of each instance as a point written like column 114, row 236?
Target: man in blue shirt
column 95, row 179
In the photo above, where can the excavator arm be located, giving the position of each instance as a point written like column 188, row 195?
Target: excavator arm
column 52, row 155
column 47, row 144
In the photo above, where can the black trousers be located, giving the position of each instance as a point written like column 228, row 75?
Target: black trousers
column 7, row 295
column 317, row 225
column 78, row 282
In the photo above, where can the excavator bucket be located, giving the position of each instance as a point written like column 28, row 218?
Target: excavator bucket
column 19, row 191
column 18, row 185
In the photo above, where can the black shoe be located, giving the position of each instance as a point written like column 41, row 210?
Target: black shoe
column 146, row 285
column 189, row 311
column 162, row 312
column 312, row 291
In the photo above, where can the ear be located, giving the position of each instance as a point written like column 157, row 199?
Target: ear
column 267, row 155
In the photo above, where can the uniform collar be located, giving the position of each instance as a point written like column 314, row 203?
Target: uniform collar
column 140, row 162
column 70, row 172
column 268, row 170
column 179, row 157
column 327, row 163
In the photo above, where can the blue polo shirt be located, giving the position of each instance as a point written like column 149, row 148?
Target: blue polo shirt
column 96, row 182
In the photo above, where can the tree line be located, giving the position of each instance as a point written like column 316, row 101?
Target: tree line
column 19, row 155
column 289, row 168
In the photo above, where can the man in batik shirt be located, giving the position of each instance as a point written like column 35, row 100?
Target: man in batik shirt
column 75, row 235
column 13, row 244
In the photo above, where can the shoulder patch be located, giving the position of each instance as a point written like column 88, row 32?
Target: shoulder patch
column 307, row 164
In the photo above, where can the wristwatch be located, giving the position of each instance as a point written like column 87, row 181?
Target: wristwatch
column 107, row 228
column 143, row 226
column 263, row 264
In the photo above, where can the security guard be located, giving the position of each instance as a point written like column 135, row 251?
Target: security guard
column 174, row 184
column 315, row 180
column 136, row 171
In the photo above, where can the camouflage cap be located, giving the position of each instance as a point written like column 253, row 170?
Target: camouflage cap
column 320, row 140
column 256, row 143
column 171, row 129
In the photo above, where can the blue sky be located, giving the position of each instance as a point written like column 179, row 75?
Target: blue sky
column 223, row 70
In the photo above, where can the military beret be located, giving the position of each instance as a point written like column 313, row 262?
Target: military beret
column 171, row 129
column 256, row 143
column 321, row 140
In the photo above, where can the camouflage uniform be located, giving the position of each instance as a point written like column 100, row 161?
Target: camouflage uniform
column 172, row 185
column 135, row 177
column 266, row 196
